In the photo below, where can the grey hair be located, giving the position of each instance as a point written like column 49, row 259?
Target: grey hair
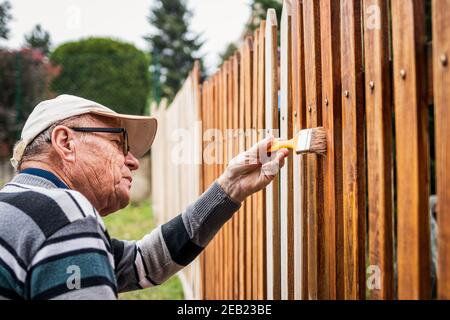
column 41, row 144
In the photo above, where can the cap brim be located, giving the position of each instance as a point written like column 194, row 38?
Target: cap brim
column 141, row 130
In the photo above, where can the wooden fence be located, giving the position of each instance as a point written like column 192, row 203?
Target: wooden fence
column 354, row 224
column 176, row 171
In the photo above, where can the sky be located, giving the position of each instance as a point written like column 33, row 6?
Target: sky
column 219, row 21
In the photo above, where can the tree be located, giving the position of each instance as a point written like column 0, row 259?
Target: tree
column 174, row 48
column 38, row 38
column 111, row 72
column 5, row 18
column 25, row 76
column 259, row 12
column 229, row 51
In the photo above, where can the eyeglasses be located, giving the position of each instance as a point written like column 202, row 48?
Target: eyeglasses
column 123, row 131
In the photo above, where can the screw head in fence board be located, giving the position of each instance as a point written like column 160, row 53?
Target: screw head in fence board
column 444, row 60
column 403, row 74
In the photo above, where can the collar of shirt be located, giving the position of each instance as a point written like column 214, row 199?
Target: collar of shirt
column 46, row 175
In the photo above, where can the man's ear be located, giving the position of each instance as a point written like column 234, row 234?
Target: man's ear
column 63, row 143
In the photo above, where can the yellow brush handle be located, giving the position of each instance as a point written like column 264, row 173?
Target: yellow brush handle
column 280, row 144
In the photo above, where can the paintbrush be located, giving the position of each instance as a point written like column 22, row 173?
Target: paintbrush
column 306, row 141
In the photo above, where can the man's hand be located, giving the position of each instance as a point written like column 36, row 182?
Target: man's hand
column 252, row 170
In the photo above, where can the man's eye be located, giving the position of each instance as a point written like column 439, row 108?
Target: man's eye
column 117, row 142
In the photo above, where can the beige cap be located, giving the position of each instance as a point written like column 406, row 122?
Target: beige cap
column 141, row 129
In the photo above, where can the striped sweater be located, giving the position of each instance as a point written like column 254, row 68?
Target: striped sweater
column 54, row 244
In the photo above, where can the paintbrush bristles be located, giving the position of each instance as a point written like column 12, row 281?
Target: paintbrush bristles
column 318, row 141
column 314, row 141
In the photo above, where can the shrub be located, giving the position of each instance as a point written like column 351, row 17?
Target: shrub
column 107, row 71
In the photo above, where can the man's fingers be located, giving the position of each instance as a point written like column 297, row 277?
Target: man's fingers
column 261, row 149
column 281, row 162
column 283, row 152
column 269, row 139
column 263, row 144
column 272, row 167
column 282, row 156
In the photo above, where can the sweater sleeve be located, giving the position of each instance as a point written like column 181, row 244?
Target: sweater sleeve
column 172, row 246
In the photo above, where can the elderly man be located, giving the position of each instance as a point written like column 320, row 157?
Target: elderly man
column 74, row 163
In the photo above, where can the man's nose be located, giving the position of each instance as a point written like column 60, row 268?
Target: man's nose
column 131, row 162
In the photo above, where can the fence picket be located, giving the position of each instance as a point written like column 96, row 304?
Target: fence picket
column 243, row 213
column 353, row 150
column 314, row 187
column 411, row 117
column 441, row 50
column 261, row 217
column 272, row 191
column 332, row 121
column 248, row 85
column 236, row 151
column 299, row 163
column 286, row 192
column 379, row 147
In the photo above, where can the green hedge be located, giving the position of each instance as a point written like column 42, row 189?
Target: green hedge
column 107, row 71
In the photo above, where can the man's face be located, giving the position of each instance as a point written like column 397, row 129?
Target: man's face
column 101, row 162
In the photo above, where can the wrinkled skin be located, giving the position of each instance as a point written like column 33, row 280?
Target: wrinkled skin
column 103, row 173
column 92, row 164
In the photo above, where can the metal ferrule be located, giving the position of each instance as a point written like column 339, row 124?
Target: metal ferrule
column 304, row 141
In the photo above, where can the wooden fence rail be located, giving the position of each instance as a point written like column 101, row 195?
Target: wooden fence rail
column 356, row 223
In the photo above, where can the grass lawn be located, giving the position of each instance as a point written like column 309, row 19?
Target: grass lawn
column 132, row 223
